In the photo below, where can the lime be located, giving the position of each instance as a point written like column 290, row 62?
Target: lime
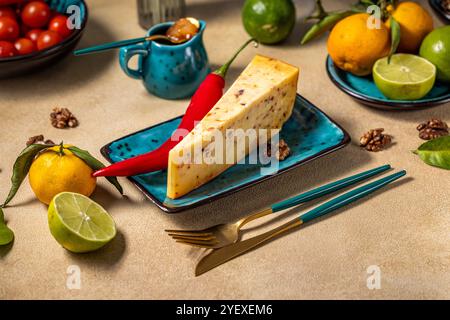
column 268, row 21
column 78, row 223
column 406, row 77
column 436, row 49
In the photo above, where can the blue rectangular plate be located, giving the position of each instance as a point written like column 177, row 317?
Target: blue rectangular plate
column 309, row 133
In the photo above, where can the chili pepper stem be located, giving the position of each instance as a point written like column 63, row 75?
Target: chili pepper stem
column 222, row 71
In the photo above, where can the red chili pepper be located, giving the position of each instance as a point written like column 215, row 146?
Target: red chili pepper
column 203, row 100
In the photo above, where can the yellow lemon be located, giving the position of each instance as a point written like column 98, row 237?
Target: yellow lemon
column 355, row 46
column 415, row 23
column 53, row 172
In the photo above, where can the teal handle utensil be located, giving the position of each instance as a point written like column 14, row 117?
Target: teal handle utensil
column 349, row 197
column 327, row 189
column 108, row 46
column 221, row 255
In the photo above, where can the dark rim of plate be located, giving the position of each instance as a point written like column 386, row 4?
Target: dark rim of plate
column 436, row 5
column 105, row 151
column 39, row 54
column 377, row 103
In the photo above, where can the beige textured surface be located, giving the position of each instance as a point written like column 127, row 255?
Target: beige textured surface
column 404, row 230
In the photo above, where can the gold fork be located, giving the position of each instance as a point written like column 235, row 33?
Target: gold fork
column 222, row 235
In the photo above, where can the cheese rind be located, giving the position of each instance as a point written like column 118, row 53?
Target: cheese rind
column 261, row 98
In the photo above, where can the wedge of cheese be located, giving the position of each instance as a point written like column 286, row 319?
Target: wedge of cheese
column 261, row 98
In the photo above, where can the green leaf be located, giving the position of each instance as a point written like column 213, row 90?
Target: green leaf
column 436, row 152
column 95, row 165
column 6, row 234
column 395, row 37
column 324, row 24
column 22, row 166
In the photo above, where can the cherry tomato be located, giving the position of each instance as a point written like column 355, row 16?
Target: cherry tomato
column 33, row 34
column 7, row 12
column 9, row 29
column 24, row 46
column 59, row 24
column 36, row 14
column 48, row 39
column 7, row 49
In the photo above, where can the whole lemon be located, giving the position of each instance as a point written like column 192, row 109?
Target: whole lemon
column 415, row 23
column 357, row 42
column 53, row 172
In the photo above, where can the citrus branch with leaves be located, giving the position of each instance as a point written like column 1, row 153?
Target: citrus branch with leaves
column 325, row 21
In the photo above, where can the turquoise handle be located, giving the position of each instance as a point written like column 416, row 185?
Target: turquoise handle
column 350, row 197
column 328, row 188
column 126, row 53
column 108, row 46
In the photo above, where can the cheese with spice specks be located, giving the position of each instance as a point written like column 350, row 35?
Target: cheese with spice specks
column 261, row 98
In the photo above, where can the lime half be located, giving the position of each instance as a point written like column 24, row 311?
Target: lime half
column 78, row 223
column 406, row 77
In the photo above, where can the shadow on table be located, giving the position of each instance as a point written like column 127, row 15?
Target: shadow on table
column 414, row 116
column 106, row 257
column 301, row 26
column 71, row 72
column 209, row 10
column 4, row 250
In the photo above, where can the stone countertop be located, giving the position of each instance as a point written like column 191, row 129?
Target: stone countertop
column 404, row 229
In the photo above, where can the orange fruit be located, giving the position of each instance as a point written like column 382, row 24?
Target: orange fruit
column 355, row 47
column 52, row 173
column 415, row 23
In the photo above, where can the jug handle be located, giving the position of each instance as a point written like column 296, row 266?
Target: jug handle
column 126, row 53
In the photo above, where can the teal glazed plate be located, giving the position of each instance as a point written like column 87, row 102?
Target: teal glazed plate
column 309, row 133
column 364, row 90
column 436, row 5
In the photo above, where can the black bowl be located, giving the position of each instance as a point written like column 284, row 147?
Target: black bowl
column 24, row 64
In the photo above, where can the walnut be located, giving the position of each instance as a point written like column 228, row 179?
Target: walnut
column 374, row 140
column 432, row 129
column 62, row 118
column 35, row 139
column 283, row 150
column 39, row 139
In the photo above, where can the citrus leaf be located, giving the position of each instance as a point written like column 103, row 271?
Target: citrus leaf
column 395, row 37
column 6, row 234
column 22, row 166
column 324, row 25
column 436, row 152
column 95, row 164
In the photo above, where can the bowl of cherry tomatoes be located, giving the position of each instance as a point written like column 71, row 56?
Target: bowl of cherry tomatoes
column 37, row 33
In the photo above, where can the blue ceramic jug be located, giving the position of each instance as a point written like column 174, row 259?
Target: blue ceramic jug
column 168, row 71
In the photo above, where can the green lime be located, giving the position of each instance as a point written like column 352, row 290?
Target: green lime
column 436, row 49
column 78, row 223
column 406, row 77
column 268, row 21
